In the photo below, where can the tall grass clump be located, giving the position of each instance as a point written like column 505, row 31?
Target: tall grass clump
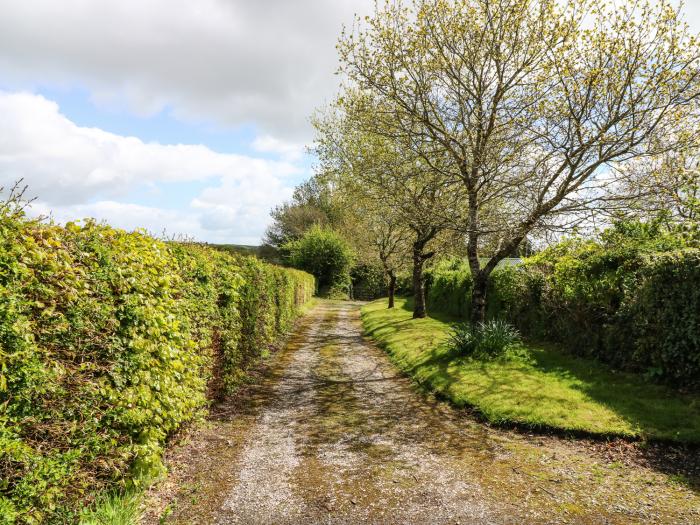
column 487, row 340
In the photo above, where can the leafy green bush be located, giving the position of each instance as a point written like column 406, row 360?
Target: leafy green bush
column 486, row 340
column 662, row 316
column 108, row 344
column 449, row 287
column 327, row 256
column 368, row 282
column 602, row 298
column 630, row 299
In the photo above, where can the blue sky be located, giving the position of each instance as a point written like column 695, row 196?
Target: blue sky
column 185, row 117
column 164, row 128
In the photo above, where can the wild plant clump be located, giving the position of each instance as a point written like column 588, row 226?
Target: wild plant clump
column 487, row 340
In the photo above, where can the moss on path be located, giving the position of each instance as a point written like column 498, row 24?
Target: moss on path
column 334, row 434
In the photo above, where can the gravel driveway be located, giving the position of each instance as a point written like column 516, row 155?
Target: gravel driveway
column 333, row 434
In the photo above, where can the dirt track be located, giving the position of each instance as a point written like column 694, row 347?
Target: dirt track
column 333, row 434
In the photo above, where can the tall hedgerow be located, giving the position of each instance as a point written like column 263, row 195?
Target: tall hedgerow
column 449, row 285
column 630, row 298
column 108, row 344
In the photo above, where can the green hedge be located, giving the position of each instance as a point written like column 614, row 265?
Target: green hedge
column 108, row 344
column 324, row 253
column 634, row 309
column 368, row 282
column 663, row 316
column 449, row 287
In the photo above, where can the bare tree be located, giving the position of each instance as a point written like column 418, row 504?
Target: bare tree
column 668, row 184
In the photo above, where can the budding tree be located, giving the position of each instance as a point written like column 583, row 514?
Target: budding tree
column 670, row 185
column 420, row 205
column 379, row 235
column 528, row 103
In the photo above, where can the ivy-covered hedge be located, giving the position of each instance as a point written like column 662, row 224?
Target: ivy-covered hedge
column 663, row 316
column 621, row 302
column 108, row 344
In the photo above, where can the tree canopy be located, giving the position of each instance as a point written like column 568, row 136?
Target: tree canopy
column 531, row 106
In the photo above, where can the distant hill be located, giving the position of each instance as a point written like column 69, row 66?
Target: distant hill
column 266, row 253
column 244, row 249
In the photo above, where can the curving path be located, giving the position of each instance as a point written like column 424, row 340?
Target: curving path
column 333, row 434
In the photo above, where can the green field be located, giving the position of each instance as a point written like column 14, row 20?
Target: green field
column 544, row 388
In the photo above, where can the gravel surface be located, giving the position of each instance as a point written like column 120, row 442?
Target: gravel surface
column 332, row 433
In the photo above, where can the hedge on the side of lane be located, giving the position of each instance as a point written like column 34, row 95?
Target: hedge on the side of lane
column 108, row 344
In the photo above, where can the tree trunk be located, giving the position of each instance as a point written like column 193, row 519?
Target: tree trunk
column 482, row 275
column 392, row 288
column 418, row 284
column 479, row 278
column 478, row 304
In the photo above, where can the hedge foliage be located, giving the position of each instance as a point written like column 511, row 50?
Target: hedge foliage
column 449, row 287
column 368, row 282
column 108, row 344
column 631, row 299
column 325, row 254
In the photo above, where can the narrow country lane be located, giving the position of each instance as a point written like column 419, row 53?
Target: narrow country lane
column 334, row 434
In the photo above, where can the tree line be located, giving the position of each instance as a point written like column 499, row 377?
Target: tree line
column 480, row 127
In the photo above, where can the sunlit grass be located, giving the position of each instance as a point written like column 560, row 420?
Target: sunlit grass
column 544, row 387
column 122, row 509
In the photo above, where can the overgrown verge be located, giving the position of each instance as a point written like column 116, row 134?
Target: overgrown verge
column 630, row 299
column 108, row 342
column 536, row 387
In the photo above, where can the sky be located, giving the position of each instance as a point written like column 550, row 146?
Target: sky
column 180, row 117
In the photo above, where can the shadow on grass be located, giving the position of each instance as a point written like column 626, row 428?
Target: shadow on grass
column 407, row 304
column 519, row 393
column 655, row 411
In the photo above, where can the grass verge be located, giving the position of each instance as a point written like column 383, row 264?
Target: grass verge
column 115, row 509
column 543, row 388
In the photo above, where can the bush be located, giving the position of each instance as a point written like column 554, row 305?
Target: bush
column 449, row 287
column 487, row 340
column 108, row 344
column 617, row 299
column 404, row 283
column 368, row 282
column 327, row 256
column 620, row 301
column 662, row 316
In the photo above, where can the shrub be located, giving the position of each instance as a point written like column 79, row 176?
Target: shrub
column 617, row 299
column 486, row 340
column 449, row 287
column 368, row 282
column 327, row 256
column 662, row 316
column 404, row 283
column 620, row 300
column 108, row 342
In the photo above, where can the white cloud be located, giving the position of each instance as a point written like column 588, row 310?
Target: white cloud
column 233, row 61
column 268, row 62
column 291, row 151
column 77, row 171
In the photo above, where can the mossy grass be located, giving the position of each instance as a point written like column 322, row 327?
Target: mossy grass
column 539, row 386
